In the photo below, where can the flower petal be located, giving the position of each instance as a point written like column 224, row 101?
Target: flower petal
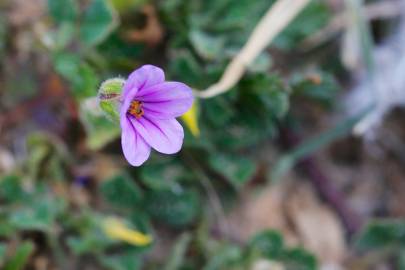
column 164, row 135
column 135, row 149
column 143, row 77
column 126, row 102
column 166, row 100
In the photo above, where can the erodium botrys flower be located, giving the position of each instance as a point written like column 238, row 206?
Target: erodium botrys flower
column 149, row 107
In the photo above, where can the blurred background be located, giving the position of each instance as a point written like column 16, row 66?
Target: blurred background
column 296, row 164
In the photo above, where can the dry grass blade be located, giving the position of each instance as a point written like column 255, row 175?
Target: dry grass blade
column 274, row 21
column 379, row 10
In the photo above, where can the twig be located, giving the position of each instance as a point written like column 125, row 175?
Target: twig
column 273, row 22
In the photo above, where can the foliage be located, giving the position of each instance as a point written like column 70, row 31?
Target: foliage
column 385, row 236
column 88, row 41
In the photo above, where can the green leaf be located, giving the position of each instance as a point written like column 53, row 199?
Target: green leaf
column 63, row 10
column 208, row 47
column 121, row 191
column 174, row 207
column 99, row 130
column 41, row 215
column 90, row 238
column 6, row 229
column 218, row 111
column 298, row 259
column 315, row 16
column 92, row 242
column 64, row 35
column 128, row 260
column 82, row 77
column 319, row 86
column 10, row 189
column 162, row 175
column 98, row 22
column 140, row 220
column 249, row 113
column 231, row 20
column 266, row 92
column 67, row 65
column 401, row 260
column 225, row 257
column 269, row 244
column 127, row 6
column 185, row 68
column 237, row 169
column 117, row 52
column 3, row 35
column 3, row 250
column 382, row 234
column 21, row 256
column 261, row 64
column 81, row 245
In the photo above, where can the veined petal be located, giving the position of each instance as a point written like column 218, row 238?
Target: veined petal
column 135, row 149
column 166, row 100
column 164, row 135
column 126, row 102
column 143, row 77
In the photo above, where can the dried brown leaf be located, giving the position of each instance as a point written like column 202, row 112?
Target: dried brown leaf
column 153, row 33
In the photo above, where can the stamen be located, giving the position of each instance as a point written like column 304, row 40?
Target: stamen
column 135, row 109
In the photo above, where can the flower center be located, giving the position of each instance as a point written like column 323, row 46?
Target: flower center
column 135, row 109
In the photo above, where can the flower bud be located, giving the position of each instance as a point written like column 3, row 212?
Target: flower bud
column 109, row 96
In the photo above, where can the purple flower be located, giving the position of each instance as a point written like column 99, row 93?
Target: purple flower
column 148, row 111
